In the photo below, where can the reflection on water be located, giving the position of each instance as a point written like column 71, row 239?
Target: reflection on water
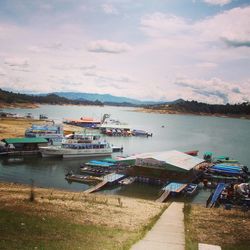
column 224, row 136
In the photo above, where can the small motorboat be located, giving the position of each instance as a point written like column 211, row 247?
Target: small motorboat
column 192, row 153
column 191, row 189
column 137, row 132
column 127, row 181
column 70, row 177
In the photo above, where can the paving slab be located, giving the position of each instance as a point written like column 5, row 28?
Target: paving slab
column 208, row 247
column 168, row 232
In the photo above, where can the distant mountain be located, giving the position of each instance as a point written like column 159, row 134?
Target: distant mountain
column 104, row 98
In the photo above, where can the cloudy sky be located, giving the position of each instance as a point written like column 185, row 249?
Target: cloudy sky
column 144, row 49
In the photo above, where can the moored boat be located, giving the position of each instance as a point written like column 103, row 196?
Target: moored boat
column 192, row 153
column 127, row 181
column 82, row 146
column 191, row 189
column 70, row 177
column 85, row 122
column 137, row 132
column 53, row 134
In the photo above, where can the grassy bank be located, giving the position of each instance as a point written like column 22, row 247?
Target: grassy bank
column 15, row 127
column 21, row 231
column 226, row 228
column 70, row 220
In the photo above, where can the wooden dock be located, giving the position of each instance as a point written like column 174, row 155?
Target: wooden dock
column 112, row 178
column 96, row 188
column 164, row 196
column 174, row 187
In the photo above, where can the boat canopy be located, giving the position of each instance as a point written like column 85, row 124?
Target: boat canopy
column 45, row 128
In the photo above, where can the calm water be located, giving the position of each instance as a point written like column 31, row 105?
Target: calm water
column 224, row 136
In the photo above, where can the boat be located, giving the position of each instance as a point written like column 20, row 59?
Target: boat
column 137, row 132
column 97, row 171
column 127, row 181
column 191, row 189
column 192, row 153
column 85, row 122
column 116, row 148
column 113, row 127
column 43, row 117
column 90, row 145
column 53, row 134
column 29, row 116
column 70, row 177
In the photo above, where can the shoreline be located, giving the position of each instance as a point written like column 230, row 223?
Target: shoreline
column 18, row 105
column 37, row 105
column 174, row 112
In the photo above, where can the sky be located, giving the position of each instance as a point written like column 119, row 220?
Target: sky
column 158, row 50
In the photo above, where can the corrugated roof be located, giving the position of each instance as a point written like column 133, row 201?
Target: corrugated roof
column 173, row 157
column 24, row 140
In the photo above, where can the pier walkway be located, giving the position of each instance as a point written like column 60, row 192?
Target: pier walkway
column 168, row 232
column 109, row 179
column 174, row 187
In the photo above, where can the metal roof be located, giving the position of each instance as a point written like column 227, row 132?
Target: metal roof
column 173, row 157
column 24, row 140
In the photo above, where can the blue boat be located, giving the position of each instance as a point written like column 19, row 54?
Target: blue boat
column 100, row 163
column 227, row 171
column 215, row 196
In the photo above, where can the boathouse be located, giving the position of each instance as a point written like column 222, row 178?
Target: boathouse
column 171, row 165
column 23, row 145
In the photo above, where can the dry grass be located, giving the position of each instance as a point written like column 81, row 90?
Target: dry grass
column 15, row 127
column 227, row 228
column 110, row 211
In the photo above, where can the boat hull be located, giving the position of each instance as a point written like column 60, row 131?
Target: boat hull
column 74, row 153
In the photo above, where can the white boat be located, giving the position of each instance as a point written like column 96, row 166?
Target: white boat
column 53, row 134
column 78, row 148
column 115, row 128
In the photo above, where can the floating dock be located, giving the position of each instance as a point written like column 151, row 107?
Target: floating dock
column 172, row 187
column 109, row 179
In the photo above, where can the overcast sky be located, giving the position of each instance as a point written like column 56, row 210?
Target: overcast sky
column 144, row 49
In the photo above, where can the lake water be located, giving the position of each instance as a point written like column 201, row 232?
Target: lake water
column 223, row 136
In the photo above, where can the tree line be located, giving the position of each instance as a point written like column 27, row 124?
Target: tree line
column 199, row 107
column 11, row 97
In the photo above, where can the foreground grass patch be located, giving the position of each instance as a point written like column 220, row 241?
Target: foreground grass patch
column 217, row 226
column 19, row 231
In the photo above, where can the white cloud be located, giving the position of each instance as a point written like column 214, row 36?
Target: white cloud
column 2, row 72
column 16, row 62
column 109, row 9
column 162, row 25
column 105, row 46
column 214, row 90
column 68, row 66
column 108, row 76
column 217, row 2
column 231, row 25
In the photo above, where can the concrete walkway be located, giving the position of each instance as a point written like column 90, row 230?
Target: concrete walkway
column 208, row 247
column 168, row 232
